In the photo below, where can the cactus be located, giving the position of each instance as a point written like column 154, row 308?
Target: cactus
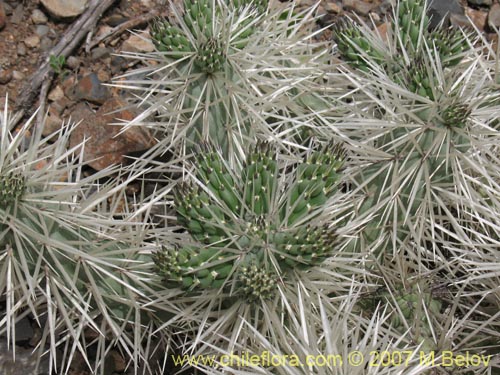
column 428, row 111
column 61, row 253
column 225, row 70
column 248, row 233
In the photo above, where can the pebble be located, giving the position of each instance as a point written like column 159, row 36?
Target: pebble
column 32, row 41
column 442, row 10
column 46, row 43
column 118, row 64
column 73, row 62
column 138, row 43
column 90, row 88
column 17, row 14
column 107, row 144
column 477, row 17
column 38, row 17
column 5, row 76
column 56, row 94
column 25, row 361
column 17, row 75
column 358, row 6
column 116, row 19
column 99, row 53
column 3, row 17
column 52, row 123
column 21, row 49
column 332, row 7
column 494, row 16
column 42, row 30
column 65, row 8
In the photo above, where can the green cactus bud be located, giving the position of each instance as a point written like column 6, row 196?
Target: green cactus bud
column 354, row 46
column 210, row 56
column 12, row 188
column 420, row 80
column 255, row 282
column 168, row 38
column 412, row 18
column 316, row 179
column 456, row 115
column 450, row 44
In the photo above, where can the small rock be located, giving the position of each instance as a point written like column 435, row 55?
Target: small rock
column 382, row 30
column 3, row 17
column 440, row 11
column 103, row 75
column 38, row 17
column 65, row 8
column 7, row 8
column 478, row 18
column 21, row 49
column 56, row 94
column 60, row 105
column 42, row 30
column 494, row 16
column 5, row 76
column 46, row 44
column 360, row 7
column 460, row 21
column 138, row 43
column 116, row 19
column 17, row 75
column 481, row 2
column 107, row 144
column 52, row 123
column 118, row 64
column 375, row 17
column 73, row 62
column 91, row 89
column 17, row 14
column 32, row 41
column 332, row 7
column 100, row 52
column 24, row 330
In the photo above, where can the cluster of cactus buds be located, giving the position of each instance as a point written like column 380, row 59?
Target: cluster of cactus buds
column 199, row 17
column 354, row 46
column 420, row 80
column 411, row 33
column 248, row 232
column 450, row 45
column 256, row 283
column 211, row 56
column 12, row 188
column 168, row 38
column 412, row 19
column 456, row 115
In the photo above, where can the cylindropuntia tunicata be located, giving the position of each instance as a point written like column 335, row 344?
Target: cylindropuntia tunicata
column 423, row 132
column 255, row 228
column 63, row 256
column 428, row 120
column 222, row 70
